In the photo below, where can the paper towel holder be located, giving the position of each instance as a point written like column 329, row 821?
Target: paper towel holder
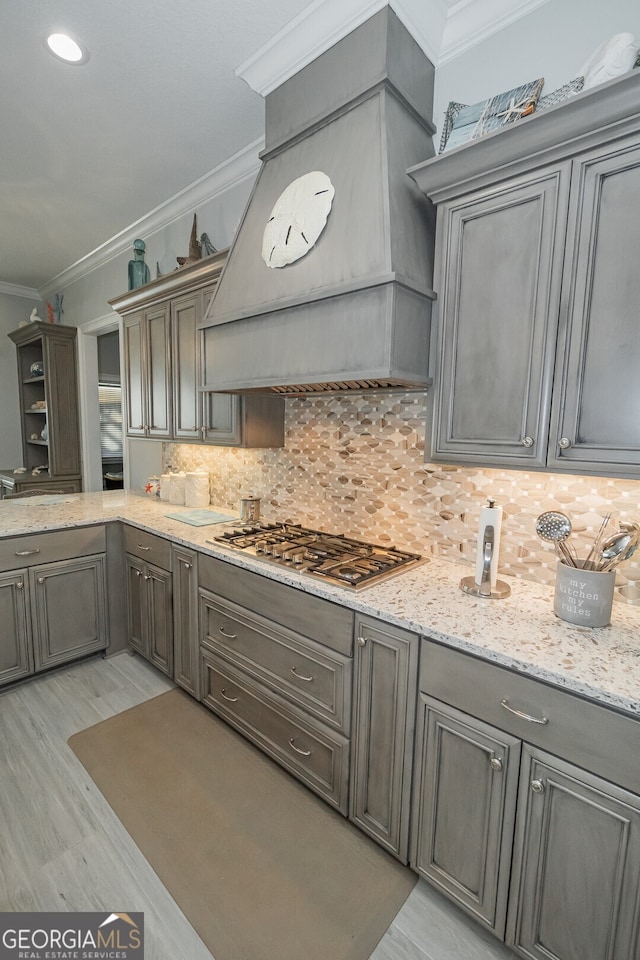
column 483, row 589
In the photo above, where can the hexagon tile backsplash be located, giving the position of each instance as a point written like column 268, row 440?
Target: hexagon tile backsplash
column 355, row 464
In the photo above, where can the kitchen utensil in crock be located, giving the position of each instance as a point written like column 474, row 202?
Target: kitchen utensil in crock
column 617, row 548
column 555, row 527
column 596, row 543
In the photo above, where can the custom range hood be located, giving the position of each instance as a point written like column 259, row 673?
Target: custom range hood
column 351, row 310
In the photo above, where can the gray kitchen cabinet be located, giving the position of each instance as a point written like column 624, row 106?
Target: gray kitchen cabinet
column 150, row 612
column 48, row 393
column 593, row 430
column 163, row 363
column 536, row 263
column 53, row 604
column 68, row 602
column 149, row 596
column 500, row 266
column 11, row 482
column 276, row 664
column 465, row 796
column 186, row 640
column 147, row 368
column 16, row 650
column 385, row 683
column 526, row 808
column 575, row 888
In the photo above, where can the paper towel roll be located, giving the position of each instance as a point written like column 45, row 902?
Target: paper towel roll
column 196, row 489
column 165, row 486
column 176, row 488
column 490, row 516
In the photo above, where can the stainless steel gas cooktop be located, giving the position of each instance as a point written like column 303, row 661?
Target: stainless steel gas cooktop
column 330, row 557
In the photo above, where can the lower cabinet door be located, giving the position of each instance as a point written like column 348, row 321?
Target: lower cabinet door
column 136, row 593
column 385, row 671
column 576, row 877
column 16, row 658
column 186, row 647
column 159, row 611
column 69, row 609
column 465, row 789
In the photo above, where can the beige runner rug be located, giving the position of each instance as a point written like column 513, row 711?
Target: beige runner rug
column 262, row 868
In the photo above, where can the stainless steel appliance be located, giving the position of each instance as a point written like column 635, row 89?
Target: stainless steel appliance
column 330, row 557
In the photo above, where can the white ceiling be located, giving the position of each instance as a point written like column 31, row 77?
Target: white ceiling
column 87, row 151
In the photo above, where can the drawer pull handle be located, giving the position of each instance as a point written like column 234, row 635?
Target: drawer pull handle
column 523, row 716
column 495, row 763
column 140, row 547
column 229, row 636
column 300, row 676
column 27, row 553
column 304, row 753
column 230, row 699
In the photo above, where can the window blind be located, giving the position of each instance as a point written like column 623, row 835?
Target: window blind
column 110, row 400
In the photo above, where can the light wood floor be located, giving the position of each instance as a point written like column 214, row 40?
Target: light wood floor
column 63, row 849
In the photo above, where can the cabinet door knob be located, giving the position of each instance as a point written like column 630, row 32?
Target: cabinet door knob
column 138, row 574
column 537, row 786
column 187, row 565
column 40, row 579
column 564, row 443
column 362, row 641
column 527, row 441
column 495, row 763
column 20, row 584
column 147, row 576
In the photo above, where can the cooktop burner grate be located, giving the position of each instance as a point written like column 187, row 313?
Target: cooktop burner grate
column 330, row 557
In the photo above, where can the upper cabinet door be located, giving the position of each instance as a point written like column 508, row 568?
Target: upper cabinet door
column 499, row 276
column 158, row 346
column 134, row 375
column 185, row 314
column 595, row 418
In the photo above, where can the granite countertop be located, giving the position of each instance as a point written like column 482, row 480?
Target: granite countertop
column 520, row 632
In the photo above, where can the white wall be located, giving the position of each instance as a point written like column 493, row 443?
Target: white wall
column 12, row 311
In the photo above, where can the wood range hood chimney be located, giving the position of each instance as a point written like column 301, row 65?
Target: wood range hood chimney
column 355, row 311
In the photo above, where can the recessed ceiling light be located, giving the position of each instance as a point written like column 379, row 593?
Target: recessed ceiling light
column 65, row 48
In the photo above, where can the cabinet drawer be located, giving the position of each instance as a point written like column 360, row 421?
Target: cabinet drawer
column 147, row 546
column 328, row 623
column 590, row 735
column 317, row 756
column 304, row 672
column 47, row 547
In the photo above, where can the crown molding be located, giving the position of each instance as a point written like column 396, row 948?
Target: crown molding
column 442, row 31
column 238, row 168
column 470, row 22
column 322, row 24
column 15, row 290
